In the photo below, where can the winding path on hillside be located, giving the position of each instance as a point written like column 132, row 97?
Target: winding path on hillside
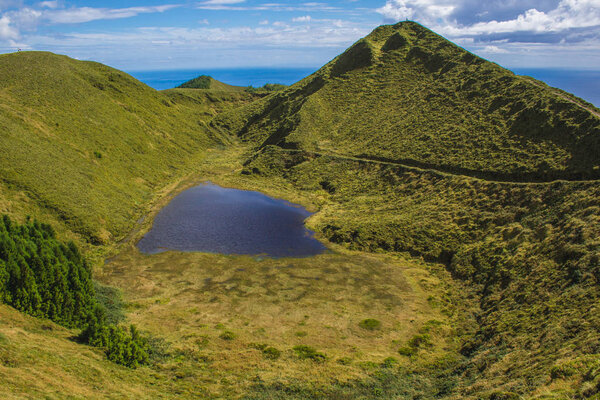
column 418, row 166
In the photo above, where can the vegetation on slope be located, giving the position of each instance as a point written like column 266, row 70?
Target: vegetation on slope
column 530, row 250
column 266, row 88
column 39, row 360
column 418, row 146
column 43, row 277
column 91, row 144
column 404, row 94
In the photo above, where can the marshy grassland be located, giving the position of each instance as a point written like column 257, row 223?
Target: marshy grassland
column 241, row 326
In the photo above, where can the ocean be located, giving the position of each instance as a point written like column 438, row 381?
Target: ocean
column 584, row 84
column 256, row 77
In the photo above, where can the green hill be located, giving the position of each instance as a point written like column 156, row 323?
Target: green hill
column 208, row 82
column 404, row 94
column 414, row 145
column 92, row 145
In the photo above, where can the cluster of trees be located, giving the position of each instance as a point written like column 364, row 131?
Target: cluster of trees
column 268, row 87
column 43, row 277
column 125, row 347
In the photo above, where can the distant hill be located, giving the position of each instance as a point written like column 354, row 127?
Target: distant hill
column 90, row 144
column 208, row 82
column 405, row 94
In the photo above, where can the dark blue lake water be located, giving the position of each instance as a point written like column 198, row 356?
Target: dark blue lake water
column 212, row 219
column 584, row 84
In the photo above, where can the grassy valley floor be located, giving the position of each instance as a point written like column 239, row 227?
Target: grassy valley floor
column 230, row 326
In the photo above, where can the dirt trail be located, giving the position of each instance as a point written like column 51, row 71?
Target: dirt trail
column 488, row 176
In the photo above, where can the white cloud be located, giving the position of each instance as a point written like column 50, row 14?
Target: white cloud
column 305, row 18
column 321, row 35
column 16, row 21
column 407, row 9
column 569, row 14
column 7, row 31
column 86, row 14
column 494, row 50
column 48, row 4
column 439, row 15
column 222, row 2
column 235, row 5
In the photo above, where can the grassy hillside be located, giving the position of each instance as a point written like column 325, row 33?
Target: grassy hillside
column 208, row 82
column 404, row 94
column 90, row 144
column 416, row 146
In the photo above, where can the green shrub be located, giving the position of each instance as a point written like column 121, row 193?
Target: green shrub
column 227, row 335
column 271, row 353
column 370, row 324
column 419, row 341
column 258, row 346
column 407, row 351
column 306, row 352
column 122, row 346
column 389, row 362
column 344, row 361
column 301, row 334
column 43, row 277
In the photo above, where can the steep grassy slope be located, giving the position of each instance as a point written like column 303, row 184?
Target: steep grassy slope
column 90, row 143
column 39, row 359
column 530, row 251
column 415, row 145
column 404, row 94
column 208, row 82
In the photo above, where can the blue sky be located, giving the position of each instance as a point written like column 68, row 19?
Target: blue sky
column 152, row 35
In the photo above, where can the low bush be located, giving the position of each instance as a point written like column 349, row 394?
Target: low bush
column 227, row 335
column 308, row 353
column 370, row 324
column 271, row 353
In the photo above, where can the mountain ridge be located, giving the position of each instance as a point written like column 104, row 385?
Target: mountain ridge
column 506, row 114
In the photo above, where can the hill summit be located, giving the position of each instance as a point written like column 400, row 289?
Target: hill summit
column 405, row 94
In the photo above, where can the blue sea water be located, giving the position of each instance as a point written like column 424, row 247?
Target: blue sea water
column 584, row 84
column 256, row 77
